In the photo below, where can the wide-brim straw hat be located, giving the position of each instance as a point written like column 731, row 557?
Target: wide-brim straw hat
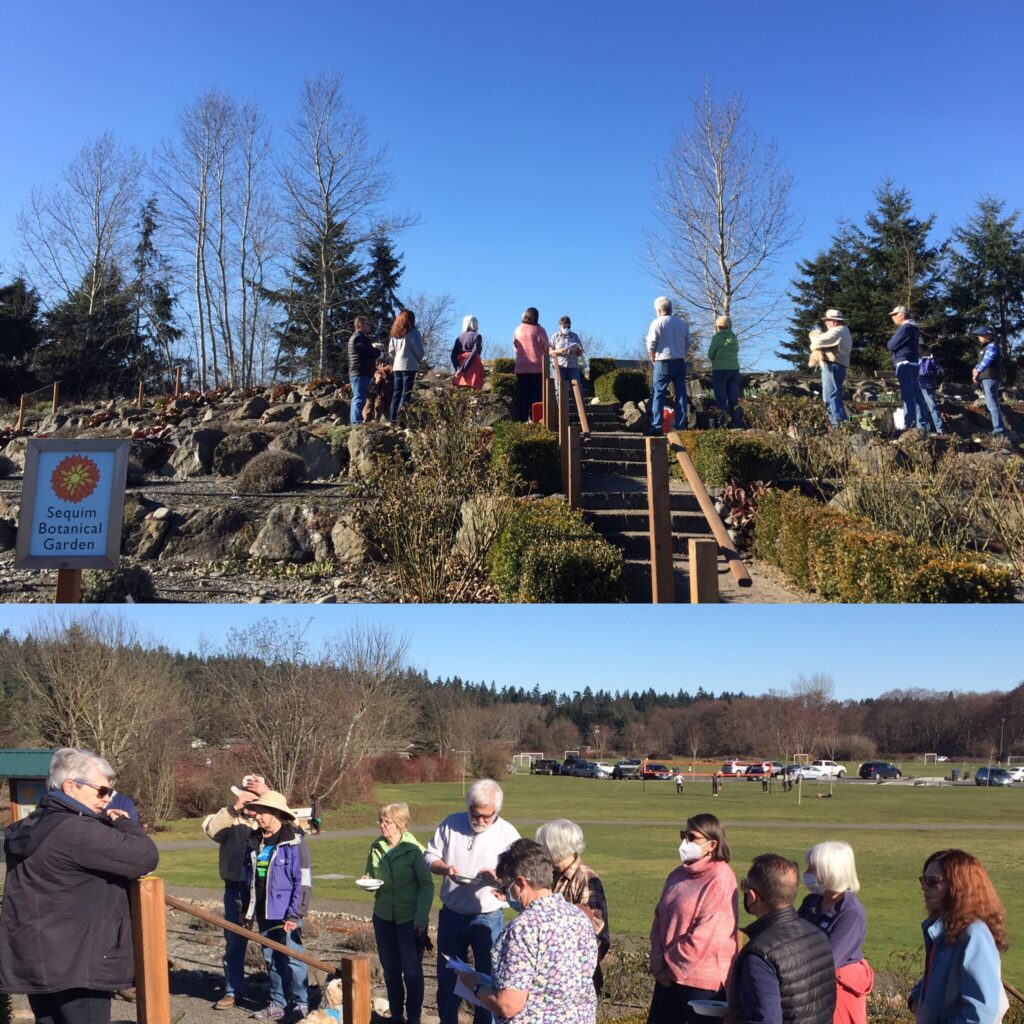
column 834, row 314
column 273, row 801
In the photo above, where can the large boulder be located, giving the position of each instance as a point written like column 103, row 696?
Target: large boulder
column 205, row 535
column 490, row 410
column 235, row 450
column 193, row 453
column 367, row 442
column 480, row 516
column 150, row 452
column 279, row 414
column 15, row 451
column 251, row 409
column 292, row 533
column 315, row 452
column 310, row 411
column 350, row 545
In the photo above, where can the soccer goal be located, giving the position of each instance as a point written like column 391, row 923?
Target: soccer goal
column 1015, row 759
column 931, row 758
column 570, row 753
column 522, row 762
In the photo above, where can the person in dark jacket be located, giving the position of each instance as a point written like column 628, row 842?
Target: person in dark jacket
column 231, row 828
column 65, row 928
column 279, row 880
column 466, row 359
column 785, row 973
column 362, row 362
column 987, row 373
column 905, row 346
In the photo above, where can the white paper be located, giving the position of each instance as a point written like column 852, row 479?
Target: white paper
column 461, row 990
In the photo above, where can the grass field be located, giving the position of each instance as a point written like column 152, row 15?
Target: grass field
column 632, row 832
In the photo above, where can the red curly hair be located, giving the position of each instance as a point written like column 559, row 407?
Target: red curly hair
column 404, row 322
column 970, row 896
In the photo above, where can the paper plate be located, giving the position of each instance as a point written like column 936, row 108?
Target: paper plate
column 369, row 883
column 466, row 879
column 709, row 1007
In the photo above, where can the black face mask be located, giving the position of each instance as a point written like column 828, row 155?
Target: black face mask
column 746, row 902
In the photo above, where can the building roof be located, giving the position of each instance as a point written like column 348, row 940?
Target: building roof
column 24, row 764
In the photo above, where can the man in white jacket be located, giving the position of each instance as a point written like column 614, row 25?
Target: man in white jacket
column 464, row 851
column 830, row 349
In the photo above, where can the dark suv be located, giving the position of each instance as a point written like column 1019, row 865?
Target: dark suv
column 545, row 767
column 628, row 768
column 879, row 770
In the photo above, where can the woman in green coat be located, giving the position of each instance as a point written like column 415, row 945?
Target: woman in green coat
column 401, row 910
column 724, row 353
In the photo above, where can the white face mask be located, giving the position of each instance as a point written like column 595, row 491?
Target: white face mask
column 811, row 881
column 689, row 852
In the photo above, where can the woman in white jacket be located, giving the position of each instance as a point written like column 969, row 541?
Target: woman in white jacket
column 406, row 350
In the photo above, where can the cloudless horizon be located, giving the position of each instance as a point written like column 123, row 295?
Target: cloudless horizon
column 868, row 650
column 525, row 136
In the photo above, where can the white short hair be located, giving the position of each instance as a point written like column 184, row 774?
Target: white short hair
column 483, row 792
column 832, row 861
column 75, row 763
column 663, row 304
column 470, row 323
column 562, row 837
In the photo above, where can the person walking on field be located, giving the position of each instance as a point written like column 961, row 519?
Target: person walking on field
column 905, row 346
column 724, row 354
column 830, row 349
column 988, row 372
column 668, row 345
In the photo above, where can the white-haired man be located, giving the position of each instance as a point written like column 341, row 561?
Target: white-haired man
column 668, row 345
column 830, row 349
column 65, row 929
column 467, row 845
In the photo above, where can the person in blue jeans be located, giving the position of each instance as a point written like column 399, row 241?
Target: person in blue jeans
column 405, row 348
column 929, row 374
column 668, row 345
column 905, row 346
column 362, row 361
column 566, row 349
column 987, row 372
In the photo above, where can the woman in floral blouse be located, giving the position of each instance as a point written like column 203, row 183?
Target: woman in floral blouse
column 543, row 962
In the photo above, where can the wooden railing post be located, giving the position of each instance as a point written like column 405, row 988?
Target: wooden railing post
column 355, row 989
column 138, row 400
column 563, row 432
column 575, row 495
column 703, row 570
column 659, row 516
column 56, row 397
column 21, row 413
column 177, row 381
column 149, row 944
column 577, row 392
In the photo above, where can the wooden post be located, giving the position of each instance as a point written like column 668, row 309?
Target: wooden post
column 659, row 516
column 703, row 570
column 550, row 412
column 69, row 586
column 177, row 381
column 563, row 435
column 545, row 375
column 21, row 414
column 56, row 397
column 149, row 944
column 355, row 989
column 575, row 468
column 138, row 400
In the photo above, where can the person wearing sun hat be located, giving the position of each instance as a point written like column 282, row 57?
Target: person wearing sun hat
column 279, row 880
column 830, row 349
column 987, row 373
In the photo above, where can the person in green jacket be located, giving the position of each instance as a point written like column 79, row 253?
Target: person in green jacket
column 724, row 354
column 401, row 910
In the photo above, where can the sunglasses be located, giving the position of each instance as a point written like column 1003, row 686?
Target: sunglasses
column 929, row 881
column 478, row 816
column 692, row 837
column 101, row 791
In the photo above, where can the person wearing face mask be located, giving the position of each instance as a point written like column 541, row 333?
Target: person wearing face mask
column 464, row 851
column 693, row 937
column 545, row 959
column 964, row 933
column 832, row 906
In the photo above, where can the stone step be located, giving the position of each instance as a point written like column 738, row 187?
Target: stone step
column 637, row 544
column 608, row 521
column 614, row 501
column 598, row 450
column 618, row 442
column 616, row 467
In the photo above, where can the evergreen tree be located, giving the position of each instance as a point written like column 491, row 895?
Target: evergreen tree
column 382, row 276
column 20, row 334
column 325, row 268
column 154, row 300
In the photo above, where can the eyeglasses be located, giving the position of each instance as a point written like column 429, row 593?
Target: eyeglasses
column 692, row 837
column 480, row 816
column 101, row 791
column 930, row 881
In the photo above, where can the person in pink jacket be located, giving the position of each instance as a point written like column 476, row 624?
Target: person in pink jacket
column 693, row 937
column 531, row 343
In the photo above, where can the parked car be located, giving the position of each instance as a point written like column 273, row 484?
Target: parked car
column 628, row 768
column 568, row 763
column 579, row 769
column 656, row 771
column 545, row 766
column 1017, row 774
column 809, row 773
column 602, row 770
column 879, row 770
column 769, row 768
column 734, row 767
column 992, row 777
column 832, row 769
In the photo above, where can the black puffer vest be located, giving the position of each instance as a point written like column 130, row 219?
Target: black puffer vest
column 992, row 371
column 801, row 957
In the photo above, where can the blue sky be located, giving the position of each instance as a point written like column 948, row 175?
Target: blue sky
column 525, row 134
column 866, row 649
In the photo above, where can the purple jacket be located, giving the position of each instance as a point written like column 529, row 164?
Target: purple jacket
column 467, row 341
column 289, row 877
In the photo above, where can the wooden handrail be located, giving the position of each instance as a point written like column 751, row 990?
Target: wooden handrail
column 578, row 394
column 725, row 544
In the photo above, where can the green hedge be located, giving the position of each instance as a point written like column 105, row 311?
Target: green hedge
column 504, row 366
column 599, row 366
column 720, row 455
column 505, row 385
column 622, row 386
column 846, row 559
column 527, row 452
column 549, row 553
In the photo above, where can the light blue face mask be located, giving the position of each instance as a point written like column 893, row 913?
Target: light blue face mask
column 512, row 902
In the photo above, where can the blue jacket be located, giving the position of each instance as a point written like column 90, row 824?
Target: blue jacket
column 289, row 877
column 905, row 344
column 964, row 984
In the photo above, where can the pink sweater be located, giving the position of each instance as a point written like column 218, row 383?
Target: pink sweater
column 530, row 342
column 695, row 922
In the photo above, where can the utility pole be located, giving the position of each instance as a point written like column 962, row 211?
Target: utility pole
column 1002, row 722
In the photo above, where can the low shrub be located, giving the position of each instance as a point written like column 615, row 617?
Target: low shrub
column 517, row 567
column 846, row 559
column 722, row 455
column 337, row 439
column 599, row 366
column 622, row 386
column 780, row 412
column 270, row 472
column 503, row 365
column 115, row 586
column 526, row 457
column 505, row 385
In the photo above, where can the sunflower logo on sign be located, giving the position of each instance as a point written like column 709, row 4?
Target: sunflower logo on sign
column 75, row 478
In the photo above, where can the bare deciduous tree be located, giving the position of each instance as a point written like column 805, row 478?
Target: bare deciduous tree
column 723, row 203
column 435, row 322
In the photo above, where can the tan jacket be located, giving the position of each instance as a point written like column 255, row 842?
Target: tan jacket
column 831, row 346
